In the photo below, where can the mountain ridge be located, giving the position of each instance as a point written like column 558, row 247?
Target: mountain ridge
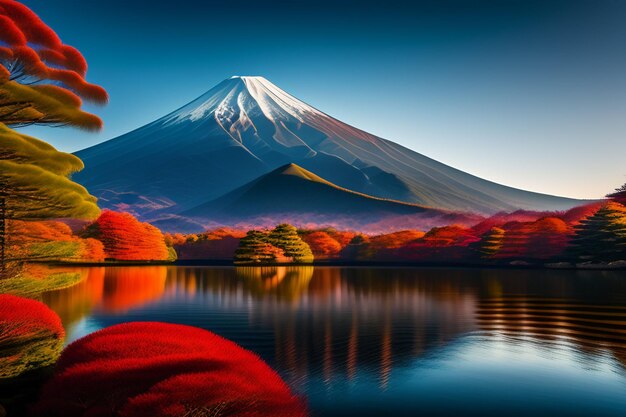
column 245, row 127
column 292, row 194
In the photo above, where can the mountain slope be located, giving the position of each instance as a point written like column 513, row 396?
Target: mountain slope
column 291, row 193
column 246, row 127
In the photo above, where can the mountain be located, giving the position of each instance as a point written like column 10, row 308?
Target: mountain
column 293, row 194
column 246, row 127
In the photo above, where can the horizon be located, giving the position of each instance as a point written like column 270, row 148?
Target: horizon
column 432, row 77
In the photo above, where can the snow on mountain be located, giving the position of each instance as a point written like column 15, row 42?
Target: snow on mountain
column 245, row 127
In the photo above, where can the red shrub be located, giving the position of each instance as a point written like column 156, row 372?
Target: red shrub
column 31, row 335
column 126, row 238
column 158, row 369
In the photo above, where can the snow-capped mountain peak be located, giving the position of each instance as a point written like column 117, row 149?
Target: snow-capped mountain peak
column 236, row 97
column 246, row 126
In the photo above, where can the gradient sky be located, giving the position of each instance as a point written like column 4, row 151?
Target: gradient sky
column 530, row 94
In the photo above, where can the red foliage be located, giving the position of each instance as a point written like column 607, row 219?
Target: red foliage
column 40, row 51
column 575, row 215
column 21, row 317
column 446, row 243
column 158, row 369
column 126, row 238
column 541, row 239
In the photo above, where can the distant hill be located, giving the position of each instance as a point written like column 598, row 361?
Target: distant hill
column 291, row 193
column 246, row 127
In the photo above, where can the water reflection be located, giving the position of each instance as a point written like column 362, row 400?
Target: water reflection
column 326, row 328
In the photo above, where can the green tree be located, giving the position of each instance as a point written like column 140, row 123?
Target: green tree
column 255, row 248
column 490, row 243
column 602, row 236
column 35, row 184
column 285, row 237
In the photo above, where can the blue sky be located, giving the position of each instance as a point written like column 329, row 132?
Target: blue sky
column 530, row 94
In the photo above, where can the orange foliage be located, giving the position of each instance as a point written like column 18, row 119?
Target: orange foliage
column 23, row 234
column 322, row 245
column 126, row 238
column 396, row 239
column 129, row 287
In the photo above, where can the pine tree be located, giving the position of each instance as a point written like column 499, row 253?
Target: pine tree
column 285, row 237
column 602, row 236
column 490, row 243
column 255, row 248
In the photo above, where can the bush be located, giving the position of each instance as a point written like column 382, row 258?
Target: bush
column 31, row 335
column 158, row 369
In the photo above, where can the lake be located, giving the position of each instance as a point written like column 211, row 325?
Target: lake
column 392, row 341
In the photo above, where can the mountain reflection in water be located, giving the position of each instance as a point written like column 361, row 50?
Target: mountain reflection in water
column 370, row 338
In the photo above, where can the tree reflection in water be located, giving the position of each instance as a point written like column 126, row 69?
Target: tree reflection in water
column 336, row 323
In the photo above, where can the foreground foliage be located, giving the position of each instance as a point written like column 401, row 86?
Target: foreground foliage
column 31, row 335
column 139, row 369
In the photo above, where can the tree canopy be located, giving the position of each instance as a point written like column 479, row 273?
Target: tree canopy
column 602, row 236
column 255, row 248
column 42, row 80
column 126, row 238
column 285, row 237
column 35, row 183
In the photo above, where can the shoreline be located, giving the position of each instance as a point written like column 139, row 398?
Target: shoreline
column 356, row 264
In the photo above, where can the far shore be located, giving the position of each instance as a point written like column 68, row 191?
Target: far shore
column 616, row 266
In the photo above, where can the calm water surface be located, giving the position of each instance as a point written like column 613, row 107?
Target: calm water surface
column 393, row 341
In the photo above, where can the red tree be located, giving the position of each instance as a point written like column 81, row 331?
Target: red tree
column 32, row 52
column 126, row 238
column 159, row 370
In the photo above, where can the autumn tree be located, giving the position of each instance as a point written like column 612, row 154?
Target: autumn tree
column 126, row 238
column 51, row 240
column 285, row 237
column 42, row 80
column 255, row 248
column 602, row 236
column 322, row 244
